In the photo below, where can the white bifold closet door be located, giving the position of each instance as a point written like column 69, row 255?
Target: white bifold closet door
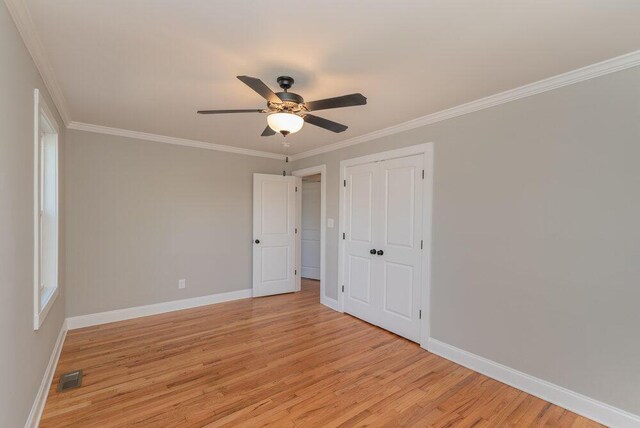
column 383, row 240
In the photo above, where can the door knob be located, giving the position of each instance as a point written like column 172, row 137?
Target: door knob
column 257, row 241
column 373, row 251
column 380, row 252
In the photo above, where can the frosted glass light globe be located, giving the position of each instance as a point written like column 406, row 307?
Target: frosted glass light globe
column 288, row 122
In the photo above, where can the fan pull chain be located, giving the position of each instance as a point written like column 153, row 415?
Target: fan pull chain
column 286, row 145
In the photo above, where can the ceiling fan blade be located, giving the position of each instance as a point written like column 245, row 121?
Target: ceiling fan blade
column 325, row 123
column 262, row 89
column 268, row 132
column 230, row 111
column 336, row 102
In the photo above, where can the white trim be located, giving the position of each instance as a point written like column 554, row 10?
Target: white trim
column 330, row 303
column 43, row 299
column 79, row 126
column 310, row 272
column 158, row 308
column 577, row 403
column 42, row 105
column 416, row 149
column 322, row 170
column 26, row 28
column 39, row 316
column 427, row 216
column 425, row 149
column 297, row 243
column 36, row 210
column 612, row 65
column 41, row 397
column 22, row 18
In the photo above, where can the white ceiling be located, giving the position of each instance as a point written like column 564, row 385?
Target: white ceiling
column 148, row 65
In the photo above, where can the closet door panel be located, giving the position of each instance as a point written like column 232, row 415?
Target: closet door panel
column 361, row 297
column 401, row 229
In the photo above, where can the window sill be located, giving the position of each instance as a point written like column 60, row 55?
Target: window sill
column 47, row 298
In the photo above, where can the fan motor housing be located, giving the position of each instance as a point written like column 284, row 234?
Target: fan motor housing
column 287, row 97
column 290, row 102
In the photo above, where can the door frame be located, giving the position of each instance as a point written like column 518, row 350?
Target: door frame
column 425, row 149
column 322, row 170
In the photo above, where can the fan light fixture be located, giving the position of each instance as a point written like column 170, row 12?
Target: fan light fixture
column 288, row 111
column 285, row 123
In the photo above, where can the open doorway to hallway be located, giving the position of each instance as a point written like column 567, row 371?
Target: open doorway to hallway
column 310, row 230
column 311, row 212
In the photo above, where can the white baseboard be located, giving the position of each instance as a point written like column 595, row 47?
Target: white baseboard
column 310, row 272
column 577, row 403
column 111, row 316
column 331, row 303
column 41, row 398
column 573, row 401
column 158, row 308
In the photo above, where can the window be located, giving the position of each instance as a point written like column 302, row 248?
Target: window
column 45, row 157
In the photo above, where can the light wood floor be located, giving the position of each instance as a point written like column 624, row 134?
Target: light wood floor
column 281, row 361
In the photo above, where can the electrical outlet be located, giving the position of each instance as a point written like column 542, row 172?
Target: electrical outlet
column 182, row 283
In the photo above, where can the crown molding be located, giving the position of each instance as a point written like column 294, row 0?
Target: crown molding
column 98, row 129
column 22, row 18
column 26, row 28
column 569, row 78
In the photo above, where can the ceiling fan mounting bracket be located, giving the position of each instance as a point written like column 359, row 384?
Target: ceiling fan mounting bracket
column 285, row 82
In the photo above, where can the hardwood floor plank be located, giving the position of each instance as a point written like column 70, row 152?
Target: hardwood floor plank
column 275, row 361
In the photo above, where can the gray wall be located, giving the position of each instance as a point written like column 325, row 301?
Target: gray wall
column 24, row 353
column 142, row 215
column 536, row 233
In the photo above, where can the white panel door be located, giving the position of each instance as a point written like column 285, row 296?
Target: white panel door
column 310, row 225
column 274, row 218
column 383, row 237
column 401, row 230
column 361, row 217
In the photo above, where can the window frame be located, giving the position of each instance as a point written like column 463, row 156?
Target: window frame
column 45, row 124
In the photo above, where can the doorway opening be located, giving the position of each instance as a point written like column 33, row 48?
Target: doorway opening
column 311, row 226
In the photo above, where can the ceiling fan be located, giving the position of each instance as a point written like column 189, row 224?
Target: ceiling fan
column 288, row 111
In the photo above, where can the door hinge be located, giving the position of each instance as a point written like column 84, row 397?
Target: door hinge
column 420, row 314
column 423, row 174
column 344, row 235
column 296, row 230
column 295, row 272
column 345, row 183
column 297, row 187
column 421, row 244
column 343, row 288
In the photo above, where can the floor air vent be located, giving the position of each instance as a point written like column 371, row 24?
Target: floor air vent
column 70, row 380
